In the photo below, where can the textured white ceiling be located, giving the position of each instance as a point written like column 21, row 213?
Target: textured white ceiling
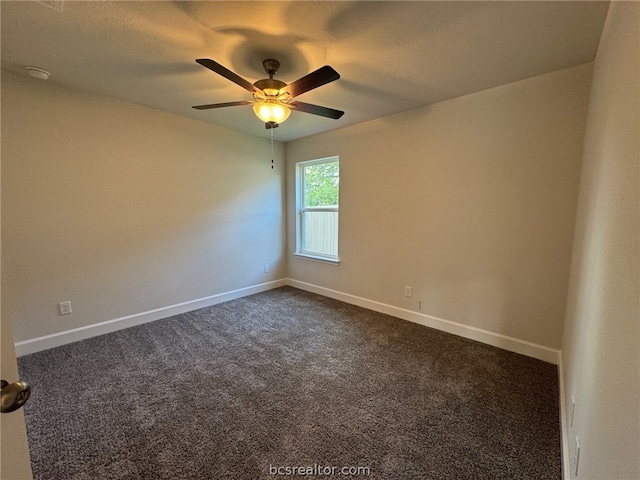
column 392, row 56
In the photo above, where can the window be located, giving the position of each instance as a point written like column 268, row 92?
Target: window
column 317, row 200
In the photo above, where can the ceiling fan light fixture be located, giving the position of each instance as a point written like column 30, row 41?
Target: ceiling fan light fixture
column 271, row 112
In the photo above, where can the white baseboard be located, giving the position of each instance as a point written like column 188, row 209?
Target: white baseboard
column 540, row 352
column 511, row 344
column 564, row 427
column 38, row 344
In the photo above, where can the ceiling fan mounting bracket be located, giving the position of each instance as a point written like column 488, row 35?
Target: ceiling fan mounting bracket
column 271, row 66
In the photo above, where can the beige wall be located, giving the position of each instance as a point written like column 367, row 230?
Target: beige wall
column 601, row 343
column 470, row 201
column 123, row 209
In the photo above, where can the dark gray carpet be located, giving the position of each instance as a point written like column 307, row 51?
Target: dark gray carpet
column 289, row 378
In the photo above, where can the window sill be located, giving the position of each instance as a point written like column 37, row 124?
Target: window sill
column 317, row 258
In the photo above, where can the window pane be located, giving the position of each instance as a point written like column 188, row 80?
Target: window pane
column 321, row 185
column 320, row 232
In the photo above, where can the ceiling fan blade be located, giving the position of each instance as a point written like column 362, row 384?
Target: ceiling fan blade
column 313, row 80
column 219, row 105
column 316, row 110
column 228, row 74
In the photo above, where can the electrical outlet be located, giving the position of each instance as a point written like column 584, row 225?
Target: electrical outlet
column 576, row 457
column 65, row 307
column 266, row 268
column 419, row 304
column 407, row 291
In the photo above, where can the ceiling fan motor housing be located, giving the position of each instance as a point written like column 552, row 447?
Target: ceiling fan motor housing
column 270, row 86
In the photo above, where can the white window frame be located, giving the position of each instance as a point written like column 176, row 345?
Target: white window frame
column 334, row 259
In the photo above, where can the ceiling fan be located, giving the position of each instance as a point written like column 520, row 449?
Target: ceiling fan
column 273, row 99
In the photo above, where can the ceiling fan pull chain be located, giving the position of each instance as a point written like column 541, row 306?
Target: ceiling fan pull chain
column 271, row 148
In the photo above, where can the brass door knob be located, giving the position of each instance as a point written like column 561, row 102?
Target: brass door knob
column 14, row 395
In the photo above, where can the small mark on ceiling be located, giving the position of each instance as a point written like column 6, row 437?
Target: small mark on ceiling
column 54, row 4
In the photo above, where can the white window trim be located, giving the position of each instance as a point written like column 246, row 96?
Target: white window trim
column 314, row 256
column 318, row 258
